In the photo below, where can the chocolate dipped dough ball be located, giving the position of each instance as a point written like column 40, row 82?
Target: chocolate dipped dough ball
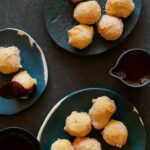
column 21, row 86
column 26, row 84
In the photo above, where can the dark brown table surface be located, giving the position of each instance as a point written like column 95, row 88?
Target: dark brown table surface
column 68, row 72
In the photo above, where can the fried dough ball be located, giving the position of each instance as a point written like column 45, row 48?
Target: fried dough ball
column 24, row 79
column 102, row 110
column 110, row 28
column 9, row 60
column 78, row 124
column 81, row 36
column 119, row 8
column 76, row 1
column 62, row 144
column 27, row 83
column 86, row 143
column 88, row 12
column 115, row 133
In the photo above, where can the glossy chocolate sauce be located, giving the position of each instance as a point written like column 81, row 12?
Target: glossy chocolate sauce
column 16, row 141
column 12, row 89
column 134, row 67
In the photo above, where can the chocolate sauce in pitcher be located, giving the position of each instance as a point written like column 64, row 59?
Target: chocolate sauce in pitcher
column 134, row 67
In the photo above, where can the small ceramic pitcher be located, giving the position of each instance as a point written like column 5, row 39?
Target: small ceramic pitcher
column 133, row 68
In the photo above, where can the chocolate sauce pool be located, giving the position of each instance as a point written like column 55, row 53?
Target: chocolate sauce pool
column 16, row 141
column 134, row 67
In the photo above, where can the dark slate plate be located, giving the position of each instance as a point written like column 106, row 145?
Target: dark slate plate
column 52, row 128
column 33, row 61
column 59, row 18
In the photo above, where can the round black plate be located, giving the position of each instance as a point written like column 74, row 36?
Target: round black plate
column 59, row 18
column 53, row 126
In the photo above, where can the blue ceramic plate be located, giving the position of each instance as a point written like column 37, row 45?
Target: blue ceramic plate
column 52, row 128
column 59, row 19
column 33, row 61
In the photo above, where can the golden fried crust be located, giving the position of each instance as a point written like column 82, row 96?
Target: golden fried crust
column 119, row 8
column 115, row 133
column 110, row 28
column 62, row 144
column 76, row 1
column 81, row 36
column 101, row 111
column 78, row 124
column 88, row 12
column 86, row 144
column 10, row 60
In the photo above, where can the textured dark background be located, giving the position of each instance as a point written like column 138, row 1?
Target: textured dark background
column 68, row 72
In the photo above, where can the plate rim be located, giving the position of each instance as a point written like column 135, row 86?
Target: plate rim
column 44, row 62
column 97, row 53
column 54, row 108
